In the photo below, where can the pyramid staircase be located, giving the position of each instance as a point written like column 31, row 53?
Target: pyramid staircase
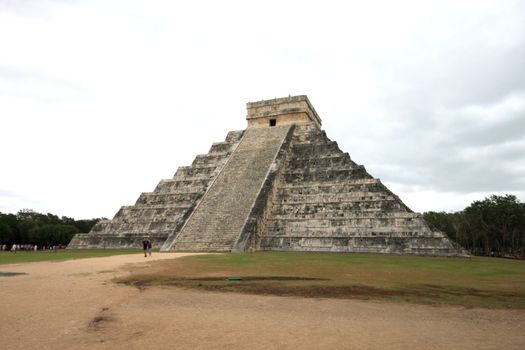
column 218, row 221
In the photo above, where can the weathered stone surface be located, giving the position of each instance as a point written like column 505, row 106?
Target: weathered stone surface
column 326, row 202
column 283, row 111
column 280, row 185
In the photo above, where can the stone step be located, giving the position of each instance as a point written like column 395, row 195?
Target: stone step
column 145, row 219
column 365, row 182
column 321, row 149
column 330, row 161
column 118, row 227
column 312, row 171
column 392, row 245
column 149, row 198
column 315, row 207
column 313, row 175
column 149, row 214
column 369, row 221
column 342, row 215
column 210, row 159
column 220, row 147
column 193, row 172
column 168, row 185
column 190, row 190
column 307, row 129
column 326, row 189
column 91, row 241
column 174, row 206
column 348, row 231
column 353, row 234
column 203, row 247
column 331, row 214
column 342, row 197
column 234, row 136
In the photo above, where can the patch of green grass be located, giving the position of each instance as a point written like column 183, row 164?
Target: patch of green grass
column 475, row 282
column 60, row 255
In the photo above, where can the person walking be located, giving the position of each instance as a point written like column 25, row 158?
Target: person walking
column 146, row 244
column 149, row 247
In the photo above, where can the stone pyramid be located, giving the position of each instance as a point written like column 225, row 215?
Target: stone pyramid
column 279, row 185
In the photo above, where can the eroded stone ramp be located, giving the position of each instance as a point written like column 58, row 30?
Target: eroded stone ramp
column 217, row 222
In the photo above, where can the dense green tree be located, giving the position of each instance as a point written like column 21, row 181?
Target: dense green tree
column 499, row 221
column 493, row 226
column 8, row 228
column 85, row 225
column 6, row 233
column 53, row 234
column 30, row 227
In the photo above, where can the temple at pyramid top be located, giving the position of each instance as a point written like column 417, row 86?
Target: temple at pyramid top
column 282, row 111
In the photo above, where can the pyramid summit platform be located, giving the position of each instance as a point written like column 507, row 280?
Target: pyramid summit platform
column 281, row 185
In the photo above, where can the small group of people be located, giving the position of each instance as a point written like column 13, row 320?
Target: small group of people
column 146, row 246
column 13, row 248
column 18, row 247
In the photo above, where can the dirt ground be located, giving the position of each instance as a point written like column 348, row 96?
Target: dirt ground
column 74, row 305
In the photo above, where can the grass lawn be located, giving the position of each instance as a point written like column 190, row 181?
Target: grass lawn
column 62, row 254
column 476, row 282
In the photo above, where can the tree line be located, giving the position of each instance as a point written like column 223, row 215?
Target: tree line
column 44, row 230
column 494, row 226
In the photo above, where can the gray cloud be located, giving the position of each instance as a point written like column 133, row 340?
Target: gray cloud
column 462, row 159
column 509, row 129
column 457, row 112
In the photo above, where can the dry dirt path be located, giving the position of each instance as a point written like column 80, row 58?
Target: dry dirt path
column 73, row 305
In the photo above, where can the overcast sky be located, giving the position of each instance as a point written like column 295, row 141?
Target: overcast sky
column 101, row 99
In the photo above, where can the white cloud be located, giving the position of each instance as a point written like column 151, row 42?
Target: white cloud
column 99, row 100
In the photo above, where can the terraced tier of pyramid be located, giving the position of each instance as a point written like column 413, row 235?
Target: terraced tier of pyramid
column 279, row 185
